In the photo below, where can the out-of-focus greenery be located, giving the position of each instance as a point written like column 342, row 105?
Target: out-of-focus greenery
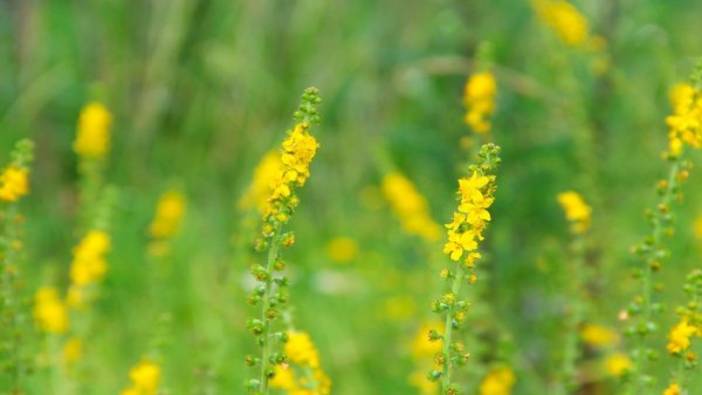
column 201, row 90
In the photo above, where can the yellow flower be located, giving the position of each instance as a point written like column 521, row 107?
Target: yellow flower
column 598, row 335
column 301, row 352
column 479, row 100
column 499, row 381
column 342, row 249
column 89, row 263
column 421, row 346
column 50, row 311
column 421, row 382
column 673, row 389
column 93, row 135
column 145, row 378
column 13, row 183
column 617, row 364
column 169, row 215
column 685, row 124
column 576, row 210
column 465, row 230
column 410, row 207
column 284, row 378
column 300, row 349
column 264, row 175
column 565, row 20
column 679, row 337
column 458, row 243
column 298, row 150
column 72, row 350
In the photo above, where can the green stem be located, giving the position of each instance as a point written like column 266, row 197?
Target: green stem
column 448, row 333
column 9, row 305
column 647, row 280
column 265, row 305
column 570, row 354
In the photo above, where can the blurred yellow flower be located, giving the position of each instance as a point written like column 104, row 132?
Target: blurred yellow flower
column 302, row 353
column 685, row 124
column 169, row 215
column 50, row 311
column 284, row 378
column 576, row 210
column 409, row 207
column 422, row 347
column 93, row 135
column 89, row 264
column 565, row 20
column 479, row 101
column 421, row 382
column 300, row 349
column 72, row 350
column 679, row 337
column 342, row 249
column 598, row 335
column 673, row 389
column 617, row 364
column 13, row 183
column 264, row 175
column 145, row 378
column 499, row 381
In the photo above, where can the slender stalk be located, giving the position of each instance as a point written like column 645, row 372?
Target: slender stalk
column 569, row 380
column 653, row 253
column 265, row 305
column 10, row 306
column 448, row 333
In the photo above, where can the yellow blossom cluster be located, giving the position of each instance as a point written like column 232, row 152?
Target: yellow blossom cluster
column 479, row 100
column 499, row 381
column 598, row 336
column 685, row 124
column 145, row 378
column 569, row 24
column 303, row 374
column 576, row 211
column 617, row 364
column 50, row 311
column 679, row 337
column 264, row 175
column 89, row 264
column 13, row 183
column 673, row 389
column 166, row 222
column 169, row 215
column 410, row 207
column 93, row 134
column 298, row 150
column 466, row 229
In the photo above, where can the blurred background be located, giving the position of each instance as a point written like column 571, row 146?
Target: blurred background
column 201, row 90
